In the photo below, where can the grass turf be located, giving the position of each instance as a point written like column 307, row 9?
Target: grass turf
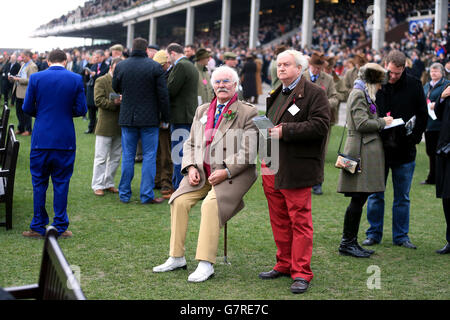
column 116, row 245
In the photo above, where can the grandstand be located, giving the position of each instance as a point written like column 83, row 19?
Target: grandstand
column 246, row 24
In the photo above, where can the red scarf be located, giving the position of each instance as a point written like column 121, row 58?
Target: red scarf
column 210, row 129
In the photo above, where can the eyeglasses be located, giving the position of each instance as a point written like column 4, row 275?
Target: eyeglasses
column 224, row 81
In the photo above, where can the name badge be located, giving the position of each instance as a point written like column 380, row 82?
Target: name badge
column 293, row 109
column 204, row 119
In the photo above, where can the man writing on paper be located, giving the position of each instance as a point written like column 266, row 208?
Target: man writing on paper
column 217, row 167
column 402, row 97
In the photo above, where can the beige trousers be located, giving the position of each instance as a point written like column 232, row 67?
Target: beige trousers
column 208, row 237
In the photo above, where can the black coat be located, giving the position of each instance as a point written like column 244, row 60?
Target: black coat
column 403, row 99
column 249, row 79
column 442, row 111
column 13, row 70
column 142, row 83
column 91, row 83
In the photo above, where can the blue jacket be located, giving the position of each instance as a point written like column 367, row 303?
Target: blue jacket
column 435, row 125
column 54, row 97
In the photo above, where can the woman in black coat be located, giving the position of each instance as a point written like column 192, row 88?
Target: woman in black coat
column 442, row 110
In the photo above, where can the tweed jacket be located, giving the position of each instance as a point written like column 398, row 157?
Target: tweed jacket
column 364, row 142
column 326, row 82
column 108, row 111
column 302, row 147
column 205, row 89
column 183, row 89
column 241, row 163
column 21, row 85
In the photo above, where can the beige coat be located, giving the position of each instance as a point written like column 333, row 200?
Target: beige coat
column 326, row 82
column 21, row 85
column 240, row 164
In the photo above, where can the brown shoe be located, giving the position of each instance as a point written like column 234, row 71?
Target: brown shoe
column 155, row 201
column 99, row 192
column 167, row 191
column 113, row 190
column 66, row 234
column 32, row 234
column 26, row 133
column 167, row 196
column 18, row 132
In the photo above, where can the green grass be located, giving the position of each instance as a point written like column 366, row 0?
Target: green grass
column 116, row 245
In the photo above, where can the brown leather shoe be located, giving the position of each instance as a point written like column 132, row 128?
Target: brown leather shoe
column 167, row 191
column 113, row 190
column 99, row 192
column 300, row 285
column 155, row 201
column 18, row 132
column 66, row 234
column 167, row 196
column 32, row 234
column 26, row 133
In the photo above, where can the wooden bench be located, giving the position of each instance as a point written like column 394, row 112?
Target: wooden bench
column 56, row 279
column 7, row 175
column 4, row 126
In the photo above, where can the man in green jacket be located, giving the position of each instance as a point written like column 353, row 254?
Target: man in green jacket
column 182, row 84
column 108, row 146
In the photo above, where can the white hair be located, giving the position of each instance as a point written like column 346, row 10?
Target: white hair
column 299, row 58
column 225, row 69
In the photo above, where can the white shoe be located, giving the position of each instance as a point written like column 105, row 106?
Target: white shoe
column 171, row 264
column 203, row 272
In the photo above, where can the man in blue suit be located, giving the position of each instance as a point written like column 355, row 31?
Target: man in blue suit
column 53, row 97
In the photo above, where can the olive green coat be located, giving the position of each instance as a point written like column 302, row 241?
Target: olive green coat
column 183, row 88
column 363, row 141
column 108, row 112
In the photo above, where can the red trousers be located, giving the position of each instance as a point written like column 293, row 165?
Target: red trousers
column 292, row 227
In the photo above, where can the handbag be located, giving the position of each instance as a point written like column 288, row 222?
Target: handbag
column 343, row 161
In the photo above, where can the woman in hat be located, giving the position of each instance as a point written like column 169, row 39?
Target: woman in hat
column 363, row 142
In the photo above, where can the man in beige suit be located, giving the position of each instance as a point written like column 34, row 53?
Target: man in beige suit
column 20, row 87
column 216, row 168
column 316, row 74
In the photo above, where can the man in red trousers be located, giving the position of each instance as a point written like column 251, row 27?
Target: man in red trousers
column 300, row 112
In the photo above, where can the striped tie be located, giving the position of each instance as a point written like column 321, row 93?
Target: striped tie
column 218, row 113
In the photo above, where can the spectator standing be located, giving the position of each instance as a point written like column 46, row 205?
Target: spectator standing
column 11, row 68
column 142, row 84
column 205, row 90
column 316, row 75
column 351, row 74
column 164, row 165
column 363, row 142
column 248, row 78
column 108, row 146
column 189, row 52
column 183, row 89
column 402, row 97
column 98, row 69
column 20, row 86
column 275, row 82
column 433, row 91
column 258, row 75
column 301, row 114
column 442, row 109
column 53, row 97
column 116, row 51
